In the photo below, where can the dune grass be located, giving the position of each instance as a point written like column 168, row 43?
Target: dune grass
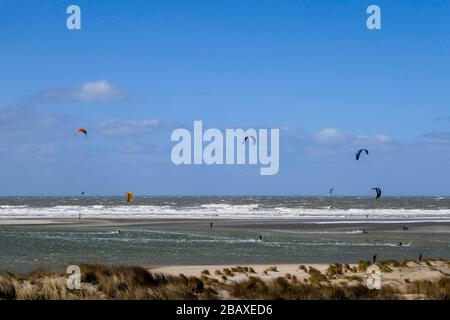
column 102, row 282
column 281, row 288
column 338, row 282
column 432, row 290
column 316, row 277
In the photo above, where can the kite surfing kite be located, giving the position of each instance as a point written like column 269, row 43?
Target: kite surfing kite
column 331, row 191
column 358, row 154
column 248, row 137
column 378, row 191
column 129, row 196
column 81, row 130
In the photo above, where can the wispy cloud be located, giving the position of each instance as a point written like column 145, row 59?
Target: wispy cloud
column 329, row 135
column 95, row 91
column 332, row 136
column 127, row 127
column 438, row 136
column 442, row 119
column 14, row 121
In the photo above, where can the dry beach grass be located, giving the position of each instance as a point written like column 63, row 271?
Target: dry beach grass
column 401, row 280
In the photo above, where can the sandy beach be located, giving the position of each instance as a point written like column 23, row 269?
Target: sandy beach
column 416, row 226
column 410, row 271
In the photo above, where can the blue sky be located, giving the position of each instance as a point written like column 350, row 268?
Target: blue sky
column 137, row 70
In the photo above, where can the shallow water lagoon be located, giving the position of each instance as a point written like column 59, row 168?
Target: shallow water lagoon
column 191, row 243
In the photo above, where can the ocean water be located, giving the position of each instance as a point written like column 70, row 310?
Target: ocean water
column 427, row 208
column 293, row 230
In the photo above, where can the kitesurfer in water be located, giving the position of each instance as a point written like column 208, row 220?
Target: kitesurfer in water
column 378, row 191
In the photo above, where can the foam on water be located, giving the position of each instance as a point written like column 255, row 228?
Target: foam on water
column 223, row 210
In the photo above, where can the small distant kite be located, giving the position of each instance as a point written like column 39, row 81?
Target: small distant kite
column 358, row 154
column 82, row 193
column 378, row 191
column 331, row 191
column 81, row 130
column 129, row 196
column 250, row 137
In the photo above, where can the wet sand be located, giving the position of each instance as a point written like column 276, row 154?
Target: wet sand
column 303, row 225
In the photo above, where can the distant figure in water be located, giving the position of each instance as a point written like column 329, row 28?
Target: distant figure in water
column 367, row 215
column 79, row 215
column 399, row 243
column 374, row 259
column 364, row 231
column 260, row 238
column 405, row 228
column 420, row 257
column 210, row 224
column 118, row 231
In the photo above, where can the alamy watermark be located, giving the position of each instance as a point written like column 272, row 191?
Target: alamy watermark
column 73, row 21
column 373, row 277
column 235, row 146
column 74, row 279
column 373, row 22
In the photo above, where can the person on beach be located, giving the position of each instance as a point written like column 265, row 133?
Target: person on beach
column 374, row 259
column 420, row 257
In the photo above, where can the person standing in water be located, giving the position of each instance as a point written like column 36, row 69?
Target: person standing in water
column 211, row 224
column 374, row 259
column 420, row 257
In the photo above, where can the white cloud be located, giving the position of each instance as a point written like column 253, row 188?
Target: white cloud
column 372, row 139
column 90, row 91
column 329, row 135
